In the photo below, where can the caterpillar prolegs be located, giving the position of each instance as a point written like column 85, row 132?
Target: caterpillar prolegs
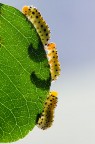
column 46, row 119
column 39, row 23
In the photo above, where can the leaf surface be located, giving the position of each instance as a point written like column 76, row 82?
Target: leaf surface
column 24, row 75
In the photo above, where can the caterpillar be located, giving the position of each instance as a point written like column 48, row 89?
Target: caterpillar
column 39, row 23
column 53, row 60
column 46, row 119
column 44, row 32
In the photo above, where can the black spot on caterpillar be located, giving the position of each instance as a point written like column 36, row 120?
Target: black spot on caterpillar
column 39, row 23
column 53, row 60
column 46, row 118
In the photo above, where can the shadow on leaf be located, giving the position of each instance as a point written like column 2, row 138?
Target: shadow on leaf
column 43, row 84
column 37, row 55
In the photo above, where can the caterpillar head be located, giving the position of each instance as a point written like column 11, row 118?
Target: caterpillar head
column 54, row 93
column 25, row 10
column 51, row 46
column 28, row 10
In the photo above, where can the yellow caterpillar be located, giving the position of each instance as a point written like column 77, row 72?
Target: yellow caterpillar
column 39, row 23
column 46, row 119
column 53, row 60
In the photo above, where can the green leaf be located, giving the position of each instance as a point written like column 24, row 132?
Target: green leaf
column 24, row 75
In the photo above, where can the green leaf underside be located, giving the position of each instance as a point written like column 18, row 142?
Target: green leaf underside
column 24, row 75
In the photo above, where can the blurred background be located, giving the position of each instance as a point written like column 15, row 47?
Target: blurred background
column 72, row 24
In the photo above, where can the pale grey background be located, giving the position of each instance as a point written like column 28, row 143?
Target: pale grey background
column 72, row 24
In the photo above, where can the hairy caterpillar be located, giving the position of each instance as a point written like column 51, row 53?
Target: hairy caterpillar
column 53, row 60
column 46, row 119
column 39, row 23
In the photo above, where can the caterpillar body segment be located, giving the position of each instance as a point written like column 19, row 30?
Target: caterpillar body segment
column 46, row 119
column 39, row 23
column 53, row 60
